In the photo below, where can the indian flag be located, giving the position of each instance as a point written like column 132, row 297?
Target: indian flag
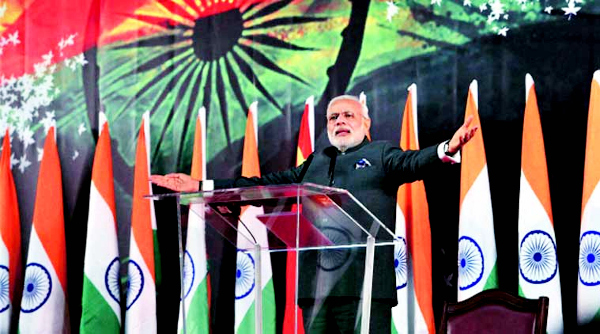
column 538, row 265
column 10, row 239
column 412, row 253
column 362, row 98
column 101, row 309
column 588, row 289
column 43, row 305
column 245, row 287
column 476, row 240
column 306, row 144
column 141, row 293
column 195, row 274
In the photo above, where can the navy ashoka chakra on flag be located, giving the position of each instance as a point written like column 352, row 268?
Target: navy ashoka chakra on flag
column 589, row 258
column 470, row 263
column 37, row 287
column 112, row 280
column 4, row 289
column 333, row 259
column 400, row 263
column 189, row 273
column 135, row 283
column 537, row 257
column 244, row 275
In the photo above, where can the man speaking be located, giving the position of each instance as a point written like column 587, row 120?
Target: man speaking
column 372, row 173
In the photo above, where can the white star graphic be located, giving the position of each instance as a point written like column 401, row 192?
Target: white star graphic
column 13, row 160
column 482, row 7
column 40, row 152
column 497, row 9
column 48, row 121
column 14, row 38
column 436, row 2
column 23, row 163
column 48, row 58
column 548, row 9
column 2, row 10
column 26, row 136
column 391, row 11
column 467, row 3
column 81, row 128
column 503, row 31
column 75, row 155
column 571, row 9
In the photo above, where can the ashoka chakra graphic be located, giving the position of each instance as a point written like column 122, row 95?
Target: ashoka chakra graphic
column 37, row 287
column 589, row 258
column 112, row 280
column 470, row 263
column 189, row 273
column 244, row 275
column 4, row 289
column 400, row 264
column 537, row 257
column 135, row 283
column 333, row 259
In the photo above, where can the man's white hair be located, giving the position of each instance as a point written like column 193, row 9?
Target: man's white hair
column 365, row 110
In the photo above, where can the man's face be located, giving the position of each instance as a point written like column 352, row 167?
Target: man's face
column 346, row 126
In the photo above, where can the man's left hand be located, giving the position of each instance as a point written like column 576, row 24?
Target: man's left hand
column 462, row 136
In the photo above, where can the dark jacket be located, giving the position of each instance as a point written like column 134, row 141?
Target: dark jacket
column 375, row 186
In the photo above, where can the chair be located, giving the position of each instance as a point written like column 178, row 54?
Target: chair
column 495, row 311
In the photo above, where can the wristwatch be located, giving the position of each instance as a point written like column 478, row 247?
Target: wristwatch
column 446, row 147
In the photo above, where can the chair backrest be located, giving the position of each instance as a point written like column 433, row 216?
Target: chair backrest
column 495, row 311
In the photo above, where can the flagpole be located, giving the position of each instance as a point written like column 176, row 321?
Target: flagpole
column 181, row 261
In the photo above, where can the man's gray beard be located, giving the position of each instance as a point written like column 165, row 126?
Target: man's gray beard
column 342, row 147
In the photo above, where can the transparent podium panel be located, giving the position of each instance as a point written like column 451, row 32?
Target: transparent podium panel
column 327, row 239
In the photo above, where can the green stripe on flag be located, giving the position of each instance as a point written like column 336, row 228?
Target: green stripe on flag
column 197, row 316
column 96, row 315
column 268, row 298
column 492, row 281
column 596, row 318
column 394, row 330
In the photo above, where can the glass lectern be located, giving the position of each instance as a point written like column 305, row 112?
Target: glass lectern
column 332, row 234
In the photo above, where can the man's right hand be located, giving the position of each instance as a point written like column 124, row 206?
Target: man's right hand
column 177, row 182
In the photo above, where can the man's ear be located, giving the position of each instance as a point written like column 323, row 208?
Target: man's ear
column 367, row 123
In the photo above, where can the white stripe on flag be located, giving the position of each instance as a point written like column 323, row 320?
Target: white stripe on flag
column 195, row 259
column 400, row 311
column 477, row 244
column 43, row 303
column 259, row 232
column 141, row 312
column 538, row 266
column 5, row 303
column 102, row 249
column 588, row 289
